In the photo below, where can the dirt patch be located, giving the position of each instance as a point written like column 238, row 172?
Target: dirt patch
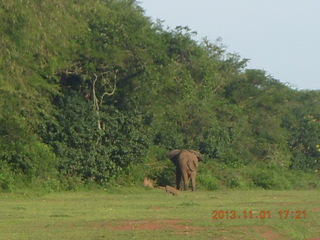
column 179, row 226
column 315, row 210
column 251, row 232
column 269, row 233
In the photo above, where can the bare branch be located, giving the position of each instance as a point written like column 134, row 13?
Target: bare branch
column 113, row 88
column 97, row 102
column 95, row 99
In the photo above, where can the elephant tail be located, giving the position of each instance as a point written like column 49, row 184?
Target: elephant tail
column 192, row 166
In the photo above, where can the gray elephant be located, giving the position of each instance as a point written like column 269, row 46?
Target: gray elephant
column 186, row 162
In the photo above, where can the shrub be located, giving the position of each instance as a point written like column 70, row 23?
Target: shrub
column 270, row 178
column 208, row 182
column 263, row 178
column 6, row 177
column 236, row 181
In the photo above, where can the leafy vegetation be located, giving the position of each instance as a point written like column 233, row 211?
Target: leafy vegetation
column 93, row 92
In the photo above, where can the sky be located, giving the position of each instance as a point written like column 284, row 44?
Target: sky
column 281, row 37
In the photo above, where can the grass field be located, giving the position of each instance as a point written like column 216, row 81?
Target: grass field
column 153, row 214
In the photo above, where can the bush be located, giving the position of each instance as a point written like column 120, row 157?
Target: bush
column 208, row 182
column 303, row 179
column 236, row 181
column 70, row 183
column 263, row 178
column 271, row 178
column 158, row 167
column 87, row 151
column 6, row 177
column 160, row 172
column 26, row 155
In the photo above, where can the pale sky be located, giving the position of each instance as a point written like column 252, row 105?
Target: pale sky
column 281, row 37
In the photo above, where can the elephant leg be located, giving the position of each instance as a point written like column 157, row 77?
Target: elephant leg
column 193, row 180
column 185, row 180
column 178, row 177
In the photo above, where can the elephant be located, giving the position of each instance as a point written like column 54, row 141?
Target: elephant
column 186, row 162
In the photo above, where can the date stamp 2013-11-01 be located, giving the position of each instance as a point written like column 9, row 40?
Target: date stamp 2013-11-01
column 263, row 214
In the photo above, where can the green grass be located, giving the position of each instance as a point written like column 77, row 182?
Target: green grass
column 152, row 214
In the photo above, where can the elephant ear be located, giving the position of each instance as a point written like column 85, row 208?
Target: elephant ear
column 198, row 155
column 173, row 156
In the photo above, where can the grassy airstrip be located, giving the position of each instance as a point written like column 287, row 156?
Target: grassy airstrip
column 152, row 214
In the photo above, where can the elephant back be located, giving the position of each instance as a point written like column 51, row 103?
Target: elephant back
column 174, row 155
column 189, row 159
column 198, row 154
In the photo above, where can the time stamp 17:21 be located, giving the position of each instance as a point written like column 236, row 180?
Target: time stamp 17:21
column 282, row 214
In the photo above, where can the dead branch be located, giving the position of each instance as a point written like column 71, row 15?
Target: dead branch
column 114, row 87
column 97, row 103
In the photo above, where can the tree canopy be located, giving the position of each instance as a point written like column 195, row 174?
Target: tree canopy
column 92, row 89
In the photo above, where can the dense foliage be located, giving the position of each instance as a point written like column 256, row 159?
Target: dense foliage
column 93, row 90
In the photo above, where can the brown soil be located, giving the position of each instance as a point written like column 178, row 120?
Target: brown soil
column 315, row 210
column 183, row 227
column 267, row 233
column 179, row 226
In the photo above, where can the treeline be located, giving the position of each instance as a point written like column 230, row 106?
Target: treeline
column 93, row 91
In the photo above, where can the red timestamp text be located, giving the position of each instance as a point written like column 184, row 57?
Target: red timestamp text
column 263, row 214
column 285, row 214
